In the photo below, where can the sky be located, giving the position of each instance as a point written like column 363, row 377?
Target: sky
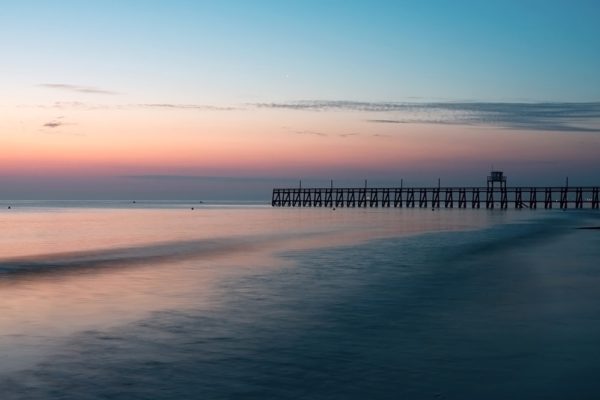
column 224, row 100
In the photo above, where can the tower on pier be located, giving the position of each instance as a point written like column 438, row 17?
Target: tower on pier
column 496, row 177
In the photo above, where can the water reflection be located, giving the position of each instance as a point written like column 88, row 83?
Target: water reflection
column 71, row 271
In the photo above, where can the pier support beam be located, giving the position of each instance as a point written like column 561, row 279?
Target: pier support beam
column 579, row 198
column 449, row 201
column 339, row 198
column 350, row 199
column 548, row 198
column 422, row 198
column 435, row 202
column 318, row 202
column 374, row 198
column 410, row 198
column 385, row 198
column 462, row 198
column 503, row 198
column 564, row 197
column 276, row 198
column 398, row 197
column 475, row 200
column 489, row 198
column 533, row 198
column 518, row 198
column 328, row 197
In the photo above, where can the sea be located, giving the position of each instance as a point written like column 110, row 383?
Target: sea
column 227, row 300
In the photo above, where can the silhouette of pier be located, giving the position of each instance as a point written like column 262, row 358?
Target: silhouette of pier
column 496, row 194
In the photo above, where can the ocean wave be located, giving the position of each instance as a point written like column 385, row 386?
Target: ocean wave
column 122, row 256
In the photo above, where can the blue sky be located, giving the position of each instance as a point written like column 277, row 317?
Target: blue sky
column 240, row 51
column 95, row 93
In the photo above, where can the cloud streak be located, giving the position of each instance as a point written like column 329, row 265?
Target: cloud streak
column 186, row 106
column 176, row 177
column 561, row 117
column 53, row 124
column 166, row 106
column 553, row 117
column 304, row 132
column 77, row 88
column 313, row 133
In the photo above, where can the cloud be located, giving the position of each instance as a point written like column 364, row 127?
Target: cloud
column 324, row 105
column 549, row 116
column 314, row 133
column 77, row 88
column 186, row 106
column 317, row 133
column 386, row 121
column 176, row 177
column 303, row 132
column 61, row 105
column 68, row 104
column 53, row 124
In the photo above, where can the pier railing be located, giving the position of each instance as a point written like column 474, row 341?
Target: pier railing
column 438, row 197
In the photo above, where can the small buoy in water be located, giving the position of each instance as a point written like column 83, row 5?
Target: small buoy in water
column 192, row 208
column 9, row 207
column 133, row 202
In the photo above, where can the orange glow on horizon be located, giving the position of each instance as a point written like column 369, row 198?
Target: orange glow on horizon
column 136, row 142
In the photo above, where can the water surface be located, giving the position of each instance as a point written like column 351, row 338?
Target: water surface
column 165, row 302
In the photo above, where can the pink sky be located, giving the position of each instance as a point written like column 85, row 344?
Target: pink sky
column 75, row 144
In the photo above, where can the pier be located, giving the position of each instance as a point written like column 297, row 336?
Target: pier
column 496, row 194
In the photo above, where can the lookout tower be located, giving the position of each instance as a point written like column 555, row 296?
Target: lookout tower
column 499, row 178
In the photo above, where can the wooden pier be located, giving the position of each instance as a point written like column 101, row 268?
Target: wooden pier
column 488, row 197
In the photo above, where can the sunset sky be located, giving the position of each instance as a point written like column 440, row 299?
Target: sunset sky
column 225, row 99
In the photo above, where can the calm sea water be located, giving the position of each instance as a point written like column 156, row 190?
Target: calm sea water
column 114, row 300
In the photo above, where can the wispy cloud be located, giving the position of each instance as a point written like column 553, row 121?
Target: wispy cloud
column 303, row 132
column 314, row 133
column 324, row 105
column 317, row 133
column 56, row 123
column 186, row 106
column 166, row 106
column 77, row 88
column 563, row 117
column 177, row 177
column 53, row 124
column 556, row 116
column 54, row 127
column 387, row 121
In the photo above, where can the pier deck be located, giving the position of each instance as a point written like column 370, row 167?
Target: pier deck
column 440, row 197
